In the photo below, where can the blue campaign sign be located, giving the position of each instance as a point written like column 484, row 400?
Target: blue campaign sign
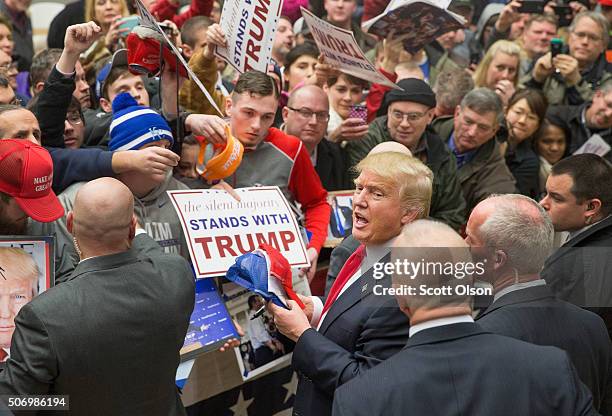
column 210, row 324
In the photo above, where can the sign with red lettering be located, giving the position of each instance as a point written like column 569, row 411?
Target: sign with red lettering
column 341, row 49
column 146, row 19
column 249, row 27
column 218, row 228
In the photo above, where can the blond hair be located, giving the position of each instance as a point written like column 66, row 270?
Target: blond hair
column 501, row 46
column 21, row 263
column 90, row 10
column 408, row 173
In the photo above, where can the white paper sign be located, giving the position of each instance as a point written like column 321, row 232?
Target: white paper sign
column 341, row 49
column 219, row 228
column 147, row 20
column 249, row 27
column 595, row 145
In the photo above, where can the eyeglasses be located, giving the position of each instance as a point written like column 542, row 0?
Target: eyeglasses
column 590, row 36
column 322, row 116
column 74, row 119
column 412, row 117
column 8, row 67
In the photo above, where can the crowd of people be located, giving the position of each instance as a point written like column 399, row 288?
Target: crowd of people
column 497, row 143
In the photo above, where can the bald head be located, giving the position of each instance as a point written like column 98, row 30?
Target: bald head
column 515, row 225
column 429, row 233
column 442, row 256
column 390, row 147
column 103, row 214
column 307, row 94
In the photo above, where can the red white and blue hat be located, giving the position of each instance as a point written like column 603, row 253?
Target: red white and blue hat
column 266, row 272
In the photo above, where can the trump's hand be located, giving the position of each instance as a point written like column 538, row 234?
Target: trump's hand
column 309, row 305
column 291, row 323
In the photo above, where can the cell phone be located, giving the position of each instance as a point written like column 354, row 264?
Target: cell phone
column 129, row 23
column 557, row 47
column 564, row 15
column 474, row 58
column 359, row 111
column 532, row 7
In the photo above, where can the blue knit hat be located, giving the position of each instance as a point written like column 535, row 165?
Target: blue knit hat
column 134, row 126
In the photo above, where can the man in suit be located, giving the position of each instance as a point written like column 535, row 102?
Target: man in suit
column 579, row 200
column 306, row 116
column 110, row 336
column 341, row 220
column 524, row 307
column 450, row 365
column 354, row 331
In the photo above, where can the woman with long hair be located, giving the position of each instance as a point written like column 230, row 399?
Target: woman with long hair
column 107, row 14
column 524, row 116
column 499, row 69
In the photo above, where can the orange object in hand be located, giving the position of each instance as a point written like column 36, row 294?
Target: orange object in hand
column 218, row 161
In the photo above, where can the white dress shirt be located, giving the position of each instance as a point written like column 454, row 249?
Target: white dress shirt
column 439, row 322
column 373, row 255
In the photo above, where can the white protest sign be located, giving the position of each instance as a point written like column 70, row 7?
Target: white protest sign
column 341, row 49
column 147, row 20
column 595, row 145
column 249, row 27
column 219, row 228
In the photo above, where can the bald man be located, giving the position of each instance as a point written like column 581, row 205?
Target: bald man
column 447, row 355
column 110, row 336
column 524, row 307
column 306, row 116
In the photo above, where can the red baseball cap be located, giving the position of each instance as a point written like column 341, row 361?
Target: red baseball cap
column 26, row 174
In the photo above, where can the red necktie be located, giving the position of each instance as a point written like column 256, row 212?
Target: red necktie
column 349, row 269
column 3, row 355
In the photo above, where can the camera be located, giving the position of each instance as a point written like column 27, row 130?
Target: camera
column 532, row 7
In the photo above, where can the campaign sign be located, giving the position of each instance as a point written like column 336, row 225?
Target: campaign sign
column 249, row 27
column 341, row 49
column 147, row 20
column 218, row 228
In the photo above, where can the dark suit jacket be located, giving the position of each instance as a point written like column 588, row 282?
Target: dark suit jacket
column 359, row 331
column 347, row 214
column 460, row 369
column 580, row 270
column 534, row 315
column 332, row 167
column 109, row 337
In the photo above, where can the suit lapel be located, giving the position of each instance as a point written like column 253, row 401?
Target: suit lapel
column 574, row 242
column 346, row 300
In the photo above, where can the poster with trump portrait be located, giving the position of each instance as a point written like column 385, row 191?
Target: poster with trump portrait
column 26, row 270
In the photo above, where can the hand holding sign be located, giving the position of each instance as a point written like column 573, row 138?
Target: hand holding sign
column 249, row 27
column 214, row 37
column 342, row 50
column 323, row 71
